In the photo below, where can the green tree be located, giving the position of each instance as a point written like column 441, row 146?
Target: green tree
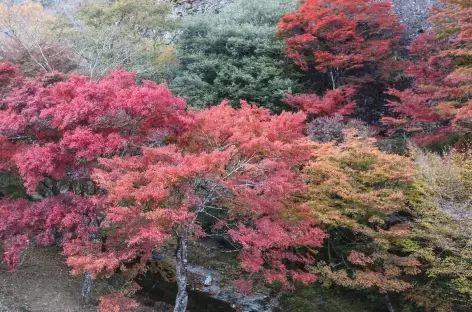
column 235, row 54
column 109, row 34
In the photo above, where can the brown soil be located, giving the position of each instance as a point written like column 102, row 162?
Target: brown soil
column 43, row 284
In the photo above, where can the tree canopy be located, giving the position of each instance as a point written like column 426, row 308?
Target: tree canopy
column 306, row 144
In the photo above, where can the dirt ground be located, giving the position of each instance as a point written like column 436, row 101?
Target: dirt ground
column 43, row 284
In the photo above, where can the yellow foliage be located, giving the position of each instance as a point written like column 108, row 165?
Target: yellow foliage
column 29, row 40
column 441, row 203
column 167, row 55
column 354, row 189
column 356, row 178
column 29, row 22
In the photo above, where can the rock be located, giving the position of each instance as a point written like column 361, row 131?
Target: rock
column 245, row 303
column 414, row 15
column 214, row 290
column 207, row 281
column 206, row 276
column 184, row 8
column 218, row 289
column 213, row 274
column 3, row 308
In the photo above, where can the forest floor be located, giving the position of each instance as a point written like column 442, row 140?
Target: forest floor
column 43, row 284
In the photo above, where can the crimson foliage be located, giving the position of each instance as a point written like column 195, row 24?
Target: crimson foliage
column 52, row 130
column 119, row 170
column 338, row 36
column 353, row 47
column 439, row 102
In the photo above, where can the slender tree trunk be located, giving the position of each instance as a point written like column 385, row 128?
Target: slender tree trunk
column 389, row 304
column 333, row 81
column 181, row 275
column 329, row 252
column 23, row 256
column 87, row 286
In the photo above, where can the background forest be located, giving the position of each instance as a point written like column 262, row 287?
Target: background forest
column 312, row 155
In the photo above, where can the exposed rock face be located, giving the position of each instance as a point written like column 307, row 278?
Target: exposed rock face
column 214, row 276
column 414, row 15
column 212, row 282
column 188, row 7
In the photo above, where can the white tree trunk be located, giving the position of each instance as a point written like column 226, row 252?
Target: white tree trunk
column 389, row 303
column 181, row 300
column 87, row 286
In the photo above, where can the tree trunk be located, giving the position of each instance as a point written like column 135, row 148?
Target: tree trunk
column 389, row 304
column 181, row 275
column 87, row 286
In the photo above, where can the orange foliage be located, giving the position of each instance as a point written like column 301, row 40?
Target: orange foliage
column 358, row 194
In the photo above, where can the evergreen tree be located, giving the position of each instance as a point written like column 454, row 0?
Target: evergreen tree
column 235, row 55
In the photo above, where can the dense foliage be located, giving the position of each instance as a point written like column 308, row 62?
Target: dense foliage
column 234, row 55
column 358, row 194
column 441, row 200
column 343, row 38
column 352, row 48
column 266, row 163
column 439, row 104
column 56, row 128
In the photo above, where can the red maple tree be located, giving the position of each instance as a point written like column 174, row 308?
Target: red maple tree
column 234, row 166
column 24, row 222
column 52, row 130
column 438, row 104
column 352, row 46
column 343, row 38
